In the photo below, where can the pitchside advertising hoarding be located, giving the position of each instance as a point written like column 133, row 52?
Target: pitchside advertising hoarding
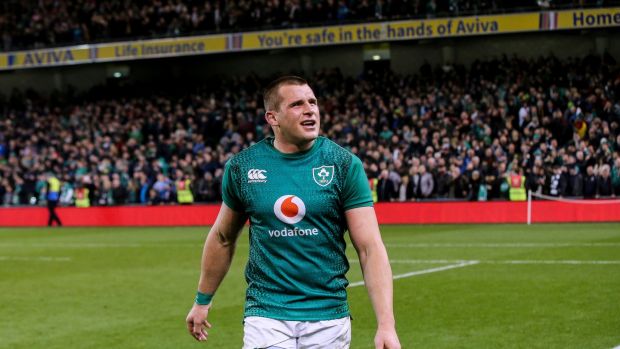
column 387, row 213
column 318, row 36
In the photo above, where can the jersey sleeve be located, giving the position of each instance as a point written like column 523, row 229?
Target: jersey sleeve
column 230, row 188
column 356, row 191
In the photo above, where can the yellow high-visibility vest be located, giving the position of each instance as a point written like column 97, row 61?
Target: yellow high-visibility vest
column 184, row 193
column 517, row 187
column 81, row 198
column 373, row 189
column 54, row 185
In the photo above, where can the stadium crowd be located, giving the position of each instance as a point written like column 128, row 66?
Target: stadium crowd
column 42, row 23
column 449, row 132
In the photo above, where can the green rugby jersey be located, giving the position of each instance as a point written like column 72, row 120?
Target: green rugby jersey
column 296, row 204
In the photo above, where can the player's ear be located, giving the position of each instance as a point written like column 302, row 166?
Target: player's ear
column 270, row 117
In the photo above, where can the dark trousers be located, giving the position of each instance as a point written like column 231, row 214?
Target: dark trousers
column 51, row 208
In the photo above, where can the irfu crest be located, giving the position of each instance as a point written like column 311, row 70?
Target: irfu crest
column 323, row 175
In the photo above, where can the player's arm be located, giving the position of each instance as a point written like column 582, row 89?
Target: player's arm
column 216, row 259
column 364, row 232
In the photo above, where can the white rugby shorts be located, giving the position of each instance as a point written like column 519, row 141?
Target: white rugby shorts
column 264, row 333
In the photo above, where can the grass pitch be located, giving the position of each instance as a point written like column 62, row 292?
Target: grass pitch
column 459, row 286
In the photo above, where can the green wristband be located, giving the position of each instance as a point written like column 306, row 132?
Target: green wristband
column 203, row 298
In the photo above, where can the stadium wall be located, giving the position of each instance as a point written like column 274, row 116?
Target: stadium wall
column 388, row 213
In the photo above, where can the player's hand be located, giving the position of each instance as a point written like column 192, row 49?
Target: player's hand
column 197, row 323
column 386, row 339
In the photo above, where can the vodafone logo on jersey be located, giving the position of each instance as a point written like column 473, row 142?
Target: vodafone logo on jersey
column 289, row 209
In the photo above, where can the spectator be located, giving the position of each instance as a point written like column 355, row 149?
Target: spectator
column 516, row 181
column 123, row 143
column 184, row 190
column 386, row 188
column 66, row 192
column 208, row 189
column 590, row 183
column 402, row 189
column 5, row 192
column 120, row 194
column 603, row 183
column 575, row 182
column 143, row 188
column 443, row 180
column 474, row 188
column 557, row 182
column 81, row 194
column 460, row 185
column 427, row 183
column 615, row 176
column 104, row 191
column 413, row 183
column 536, row 180
column 162, row 190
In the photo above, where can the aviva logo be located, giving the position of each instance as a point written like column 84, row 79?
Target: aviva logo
column 39, row 58
column 289, row 209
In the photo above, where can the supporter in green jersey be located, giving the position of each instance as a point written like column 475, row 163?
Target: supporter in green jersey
column 301, row 192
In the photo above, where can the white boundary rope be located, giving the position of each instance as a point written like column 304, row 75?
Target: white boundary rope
column 577, row 201
column 531, row 194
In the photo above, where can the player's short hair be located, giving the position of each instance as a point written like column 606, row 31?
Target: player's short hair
column 272, row 98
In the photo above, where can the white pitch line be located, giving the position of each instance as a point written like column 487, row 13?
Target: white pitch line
column 440, row 261
column 98, row 245
column 242, row 244
column 421, row 272
column 35, row 259
column 502, row 245
column 574, row 262
column 618, row 347
column 69, row 245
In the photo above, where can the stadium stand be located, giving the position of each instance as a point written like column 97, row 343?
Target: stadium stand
column 37, row 24
column 447, row 133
